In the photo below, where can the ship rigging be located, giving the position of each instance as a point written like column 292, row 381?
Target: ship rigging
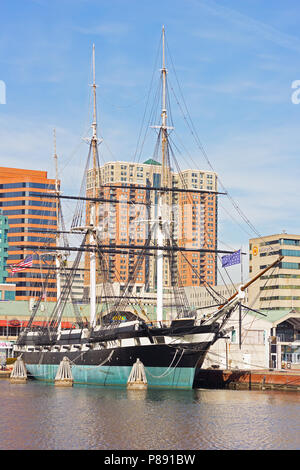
column 170, row 347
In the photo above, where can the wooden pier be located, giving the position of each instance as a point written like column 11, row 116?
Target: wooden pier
column 248, row 379
column 5, row 373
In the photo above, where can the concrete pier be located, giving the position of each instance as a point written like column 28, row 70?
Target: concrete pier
column 5, row 374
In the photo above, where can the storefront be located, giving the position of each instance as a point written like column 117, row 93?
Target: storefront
column 290, row 354
column 6, row 350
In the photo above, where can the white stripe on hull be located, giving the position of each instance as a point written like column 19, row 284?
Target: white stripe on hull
column 127, row 342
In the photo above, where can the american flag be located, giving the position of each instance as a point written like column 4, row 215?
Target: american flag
column 26, row 263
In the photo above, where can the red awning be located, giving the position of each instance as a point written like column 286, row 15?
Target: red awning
column 23, row 323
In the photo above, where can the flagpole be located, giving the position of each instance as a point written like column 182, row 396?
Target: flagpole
column 245, row 286
column 240, row 305
column 242, row 280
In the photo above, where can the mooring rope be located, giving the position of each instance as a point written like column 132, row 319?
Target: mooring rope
column 80, row 367
column 167, row 372
column 91, row 367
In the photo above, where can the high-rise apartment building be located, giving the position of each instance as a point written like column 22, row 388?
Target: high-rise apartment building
column 279, row 289
column 197, row 226
column 130, row 221
column 76, row 293
column 32, row 218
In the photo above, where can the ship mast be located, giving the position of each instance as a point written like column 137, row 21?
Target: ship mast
column 94, row 143
column 162, row 194
column 57, row 192
column 164, row 138
column 90, row 227
column 58, row 255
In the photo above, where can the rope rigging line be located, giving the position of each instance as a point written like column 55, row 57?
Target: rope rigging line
column 78, row 317
column 201, row 148
column 206, row 285
column 189, row 196
column 168, row 371
column 57, row 312
column 192, row 202
column 77, row 219
column 221, row 362
column 253, row 302
column 190, row 125
column 226, row 271
column 91, row 367
column 147, row 102
column 49, row 275
column 46, row 374
column 181, row 301
column 106, row 284
column 131, row 278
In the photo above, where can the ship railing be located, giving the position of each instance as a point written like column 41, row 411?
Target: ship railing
column 166, row 323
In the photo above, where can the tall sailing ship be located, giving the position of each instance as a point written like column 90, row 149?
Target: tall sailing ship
column 104, row 349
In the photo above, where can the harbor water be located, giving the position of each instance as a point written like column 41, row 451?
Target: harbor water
column 38, row 416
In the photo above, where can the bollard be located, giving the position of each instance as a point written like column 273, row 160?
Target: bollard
column 137, row 379
column 64, row 376
column 18, row 374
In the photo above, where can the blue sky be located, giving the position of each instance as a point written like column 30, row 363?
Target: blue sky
column 235, row 62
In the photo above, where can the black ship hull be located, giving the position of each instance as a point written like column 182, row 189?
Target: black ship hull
column 169, row 355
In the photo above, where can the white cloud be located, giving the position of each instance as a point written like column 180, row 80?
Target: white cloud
column 29, row 145
column 259, row 171
column 257, row 29
column 104, row 29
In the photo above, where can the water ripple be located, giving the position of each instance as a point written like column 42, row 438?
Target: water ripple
column 40, row 416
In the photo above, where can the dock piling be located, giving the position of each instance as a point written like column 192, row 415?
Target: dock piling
column 18, row 374
column 137, row 379
column 64, row 376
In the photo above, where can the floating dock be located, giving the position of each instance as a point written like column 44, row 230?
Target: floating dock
column 248, row 379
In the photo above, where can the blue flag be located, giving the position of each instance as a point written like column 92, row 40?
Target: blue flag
column 233, row 258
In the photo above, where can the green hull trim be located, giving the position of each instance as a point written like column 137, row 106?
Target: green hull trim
column 157, row 377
